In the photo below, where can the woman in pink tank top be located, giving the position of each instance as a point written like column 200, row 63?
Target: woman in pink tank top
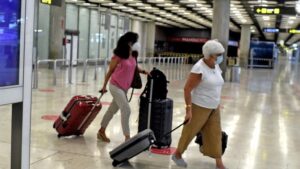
column 120, row 74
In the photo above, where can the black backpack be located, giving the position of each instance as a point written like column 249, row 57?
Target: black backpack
column 160, row 82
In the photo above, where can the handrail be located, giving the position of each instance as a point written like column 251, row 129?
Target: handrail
column 94, row 60
column 55, row 72
column 36, row 81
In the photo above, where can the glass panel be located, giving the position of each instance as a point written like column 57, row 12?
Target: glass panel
column 113, row 34
column 94, row 35
column 83, row 32
column 43, row 32
column 103, row 38
column 72, row 17
column 127, row 24
column 121, row 26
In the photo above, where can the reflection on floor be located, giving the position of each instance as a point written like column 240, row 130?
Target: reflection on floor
column 260, row 115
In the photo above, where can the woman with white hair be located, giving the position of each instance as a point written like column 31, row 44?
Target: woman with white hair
column 202, row 93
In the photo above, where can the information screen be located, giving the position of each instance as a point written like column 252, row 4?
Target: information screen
column 10, row 14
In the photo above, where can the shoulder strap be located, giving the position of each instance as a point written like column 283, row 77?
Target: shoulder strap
column 129, row 100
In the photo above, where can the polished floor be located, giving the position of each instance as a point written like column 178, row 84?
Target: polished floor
column 261, row 115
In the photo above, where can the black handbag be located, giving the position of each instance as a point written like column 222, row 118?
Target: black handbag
column 136, row 82
column 224, row 140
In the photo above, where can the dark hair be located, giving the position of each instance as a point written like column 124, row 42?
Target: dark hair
column 135, row 54
column 123, row 48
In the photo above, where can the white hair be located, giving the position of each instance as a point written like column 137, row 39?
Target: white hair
column 212, row 47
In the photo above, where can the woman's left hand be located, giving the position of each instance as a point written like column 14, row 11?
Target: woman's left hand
column 147, row 73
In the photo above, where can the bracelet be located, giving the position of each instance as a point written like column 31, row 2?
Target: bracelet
column 188, row 106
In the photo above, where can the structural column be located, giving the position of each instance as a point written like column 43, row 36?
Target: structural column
column 57, row 30
column 150, row 41
column 220, row 28
column 139, row 28
column 298, row 54
column 245, row 45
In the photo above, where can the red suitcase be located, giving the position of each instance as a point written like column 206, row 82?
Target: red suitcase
column 77, row 116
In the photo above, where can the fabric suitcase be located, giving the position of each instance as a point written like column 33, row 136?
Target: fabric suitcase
column 134, row 146
column 161, row 119
column 77, row 115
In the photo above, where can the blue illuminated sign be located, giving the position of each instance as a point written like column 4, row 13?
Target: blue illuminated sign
column 271, row 30
column 10, row 11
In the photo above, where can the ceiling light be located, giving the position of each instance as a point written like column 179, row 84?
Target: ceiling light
column 167, row 4
column 129, row 10
column 236, row 12
column 197, row 9
column 138, row 4
column 262, row 1
column 266, row 18
column 297, row 6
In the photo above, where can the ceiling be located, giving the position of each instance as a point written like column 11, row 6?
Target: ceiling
column 199, row 13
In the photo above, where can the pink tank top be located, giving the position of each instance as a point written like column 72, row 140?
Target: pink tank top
column 123, row 75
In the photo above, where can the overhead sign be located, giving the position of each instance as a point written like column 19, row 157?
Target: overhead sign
column 52, row 2
column 264, row 10
column 233, row 43
column 271, row 30
column 277, row 30
column 187, row 39
column 274, row 10
column 294, row 31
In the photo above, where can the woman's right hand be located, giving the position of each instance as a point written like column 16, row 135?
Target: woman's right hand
column 103, row 90
column 188, row 116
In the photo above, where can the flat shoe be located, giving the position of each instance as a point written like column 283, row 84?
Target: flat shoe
column 103, row 137
column 179, row 162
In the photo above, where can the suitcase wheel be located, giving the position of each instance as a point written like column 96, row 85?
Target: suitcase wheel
column 59, row 136
column 115, row 163
column 54, row 125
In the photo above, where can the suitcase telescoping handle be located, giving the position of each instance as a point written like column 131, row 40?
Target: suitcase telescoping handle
column 91, row 111
column 150, row 103
column 184, row 123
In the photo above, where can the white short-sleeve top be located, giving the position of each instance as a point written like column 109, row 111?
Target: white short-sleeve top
column 208, row 93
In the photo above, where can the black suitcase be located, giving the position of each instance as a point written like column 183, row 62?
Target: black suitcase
column 161, row 119
column 134, row 146
column 137, row 144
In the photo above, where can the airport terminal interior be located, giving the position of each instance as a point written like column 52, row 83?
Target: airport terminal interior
column 73, row 42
